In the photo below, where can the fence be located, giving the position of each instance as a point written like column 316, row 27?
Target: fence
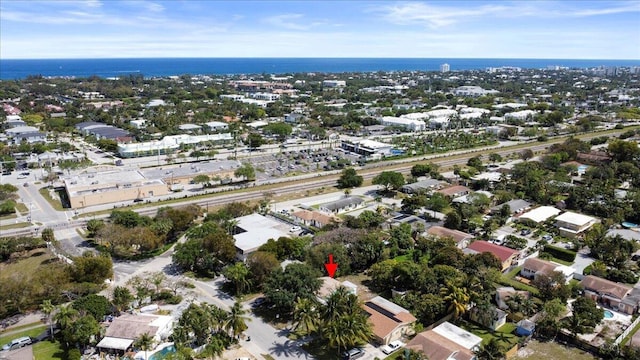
column 627, row 331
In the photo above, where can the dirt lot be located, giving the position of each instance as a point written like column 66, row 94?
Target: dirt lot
column 551, row 351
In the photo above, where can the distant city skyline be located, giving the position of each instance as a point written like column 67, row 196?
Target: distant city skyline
column 388, row 29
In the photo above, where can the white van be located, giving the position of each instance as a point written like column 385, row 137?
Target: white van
column 17, row 343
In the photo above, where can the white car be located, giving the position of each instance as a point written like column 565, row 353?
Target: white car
column 392, row 346
column 295, row 229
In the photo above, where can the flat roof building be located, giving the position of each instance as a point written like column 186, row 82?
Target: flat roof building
column 253, row 231
column 540, row 214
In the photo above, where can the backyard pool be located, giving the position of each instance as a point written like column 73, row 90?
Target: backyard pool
column 158, row 354
column 608, row 314
column 629, row 225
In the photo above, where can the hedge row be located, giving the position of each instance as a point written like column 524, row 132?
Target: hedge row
column 560, row 253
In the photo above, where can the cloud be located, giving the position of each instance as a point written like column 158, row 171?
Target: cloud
column 293, row 22
column 628, row 8
column 435, row 16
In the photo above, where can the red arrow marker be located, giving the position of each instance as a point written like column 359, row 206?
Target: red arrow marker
column 331, row 266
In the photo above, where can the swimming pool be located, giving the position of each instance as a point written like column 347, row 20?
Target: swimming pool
column 608, row 314
column 629, row 225
column 162, row 353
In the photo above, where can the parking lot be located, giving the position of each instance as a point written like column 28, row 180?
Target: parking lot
column 287, row 163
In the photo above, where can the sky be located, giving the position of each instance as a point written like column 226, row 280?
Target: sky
column 562, row 29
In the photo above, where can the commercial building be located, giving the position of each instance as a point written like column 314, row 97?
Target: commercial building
column 473, row 91
column 367, row 148
column 407, row 124
column 97, row 188
column 184, row 173
column 445, row 68
column 253, row 231
column 169, row 144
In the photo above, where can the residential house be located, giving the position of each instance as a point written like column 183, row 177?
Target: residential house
column 341, row 205
column 217, row 126
column 455, row 191
column 461, row 238
column 506, row 255
column 492, row 318
column 540, row 214
column 609, row 293
column 573, row 224
column 422, row 186
column 534, row 267
column 503, row 294
column 446, row 342
column 516, row 206
column 389, row 321
column 124, row 330
column 313, row 218
column 330, row 285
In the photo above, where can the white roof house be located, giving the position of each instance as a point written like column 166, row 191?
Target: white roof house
column 217, row 125
column 189, row 127
column 571, row 224
column 541, row 214
column 255, row 230
column 520, row 115
column 458, row 335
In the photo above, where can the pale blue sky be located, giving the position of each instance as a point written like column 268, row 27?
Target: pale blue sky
column 423, row 29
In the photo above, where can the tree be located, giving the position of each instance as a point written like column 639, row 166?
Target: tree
column 47, row 309
column 586, row 315
column 237, row 321
column 305, row 316
column 494, row 157
column 238, row 275
column 261, row 264
column 437, row 202
column 145, row 343
column 349, row 179
column 476, row 163
column 202, row 179
column 246, row 171
column 121, row 298
column 457, row 299
column 48, row 236
column 526, row 154
column 344, row 324
column 207, row 250
column 92, row 268
column 284, row 287
column 280, row 129
column 390, row 180
column 552, row 286
column 622, row 150
column 492, row 350
column 95, row 305
column 254, row 140
column 93, row 226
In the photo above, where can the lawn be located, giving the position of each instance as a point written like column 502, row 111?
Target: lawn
column 25, row 266
column 34, row 332
column 551, row 351
column 508, row 279
column 56, row 204
column 15, row 226
column 505, row 334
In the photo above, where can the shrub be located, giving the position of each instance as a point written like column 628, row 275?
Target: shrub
column 623, row 276
column 560, row 253
column 167, row 297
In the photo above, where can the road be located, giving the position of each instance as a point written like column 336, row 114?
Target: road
column 52, row 218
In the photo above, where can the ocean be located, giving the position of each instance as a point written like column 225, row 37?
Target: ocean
column 156, row 67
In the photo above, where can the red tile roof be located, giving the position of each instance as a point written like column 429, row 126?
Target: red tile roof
column 501, row 252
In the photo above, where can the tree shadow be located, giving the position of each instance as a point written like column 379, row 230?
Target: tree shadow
column 288, row 348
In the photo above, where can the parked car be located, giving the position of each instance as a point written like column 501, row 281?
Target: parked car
column 392, row 346
column 547, row 237
column 17, row 343
column 295, row 229
column 354, row 353
column 525, row 232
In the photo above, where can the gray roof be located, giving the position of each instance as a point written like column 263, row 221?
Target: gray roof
column 342, row 203
column 109, row 132
column 84, row 124
column 420, row 185
column 514, row 205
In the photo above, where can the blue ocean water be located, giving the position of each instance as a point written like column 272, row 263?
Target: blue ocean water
column 152, row 67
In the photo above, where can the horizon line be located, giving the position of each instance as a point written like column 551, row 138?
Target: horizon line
column 323, row 57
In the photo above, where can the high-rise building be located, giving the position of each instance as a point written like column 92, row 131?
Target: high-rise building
column 445, row 68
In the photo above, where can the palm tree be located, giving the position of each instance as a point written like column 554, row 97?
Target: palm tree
column 238, row 275
column 457, row 299
column 305, row 315
column 47, row 308
column 492, row 350
column 144, row 342
column 236, row 322
column 65, row 316
column 515, row 302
